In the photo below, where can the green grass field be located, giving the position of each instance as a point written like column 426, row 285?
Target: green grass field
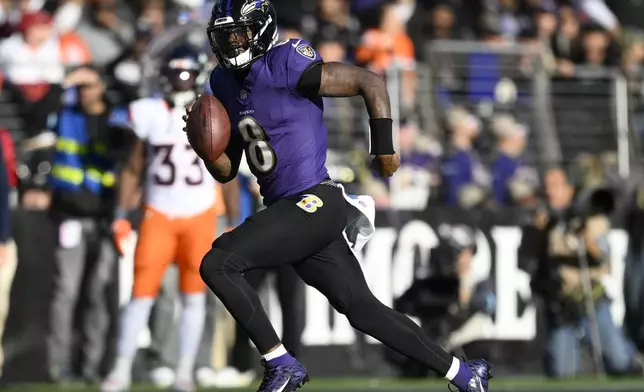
column 391, row 385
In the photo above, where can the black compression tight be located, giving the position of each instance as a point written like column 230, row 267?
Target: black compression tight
column 336, row 273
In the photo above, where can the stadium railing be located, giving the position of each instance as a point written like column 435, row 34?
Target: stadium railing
column 595, row 110
column 591, row 113
column 489, row 79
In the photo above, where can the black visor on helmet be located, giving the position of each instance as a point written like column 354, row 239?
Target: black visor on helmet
column 237, row 44
column 232, row 40
column 241, row 31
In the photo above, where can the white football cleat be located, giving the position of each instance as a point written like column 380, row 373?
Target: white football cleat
column 184, row 385
column 116, row 384
column 162, row 377
column 206, row 377
column 232, row 378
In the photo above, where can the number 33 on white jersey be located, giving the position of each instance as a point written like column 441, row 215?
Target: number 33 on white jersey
column 177, row 182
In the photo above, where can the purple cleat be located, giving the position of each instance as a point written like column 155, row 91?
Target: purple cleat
column 481, row 374
column 283, row 377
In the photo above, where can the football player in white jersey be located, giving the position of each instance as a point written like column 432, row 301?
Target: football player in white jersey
column 179, row 221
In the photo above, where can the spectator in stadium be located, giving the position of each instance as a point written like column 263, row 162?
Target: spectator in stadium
column 388, row 46
column 559, row 281
column 566, row 43
column 107, row 29
column 443, row 23
column 545, row 22
column 504, row 20
column 540, row 36
column 8, row 259
column 126, row 73
column 332, row 22
column 465, row 179
column 90, row 140
column 598, row 48
column 633, row 57
column 438, row 22
column 634, row 268
column 34, row 60
column 153, row 17
column 508, row 165
column 36, row 54
column 587, row 170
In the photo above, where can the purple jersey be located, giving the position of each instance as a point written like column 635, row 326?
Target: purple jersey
column 285, row 139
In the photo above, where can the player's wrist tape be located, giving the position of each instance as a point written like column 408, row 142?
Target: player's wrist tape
column 382, row 142
column 120, row 213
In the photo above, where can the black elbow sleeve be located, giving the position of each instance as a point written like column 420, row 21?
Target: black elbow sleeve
column 309, row 83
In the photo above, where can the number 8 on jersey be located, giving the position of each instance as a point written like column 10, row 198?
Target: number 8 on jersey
column 261, row 154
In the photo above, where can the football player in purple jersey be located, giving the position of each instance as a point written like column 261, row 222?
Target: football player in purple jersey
column 272, row 91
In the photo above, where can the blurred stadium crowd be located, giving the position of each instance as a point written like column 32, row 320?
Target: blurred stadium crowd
column 499, row 104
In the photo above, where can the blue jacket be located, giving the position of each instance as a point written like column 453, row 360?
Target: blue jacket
column 79, row 163
column 503, row 169
column 458, row 171
column 82, row 175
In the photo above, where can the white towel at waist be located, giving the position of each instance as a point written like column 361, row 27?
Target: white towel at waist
column 359, row 231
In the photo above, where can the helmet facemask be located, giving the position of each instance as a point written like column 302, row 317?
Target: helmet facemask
column 237, row 44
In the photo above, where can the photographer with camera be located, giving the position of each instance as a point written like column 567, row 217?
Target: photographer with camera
column 634, row 267
column 445, row 295
column 573, row 259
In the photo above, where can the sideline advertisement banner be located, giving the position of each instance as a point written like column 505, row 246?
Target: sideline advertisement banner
column 403, row 243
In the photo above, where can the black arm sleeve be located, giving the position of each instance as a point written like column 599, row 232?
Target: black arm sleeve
column 309, row 84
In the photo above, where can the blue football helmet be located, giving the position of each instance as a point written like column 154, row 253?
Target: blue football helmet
column 241, row 31
column 181, row 69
